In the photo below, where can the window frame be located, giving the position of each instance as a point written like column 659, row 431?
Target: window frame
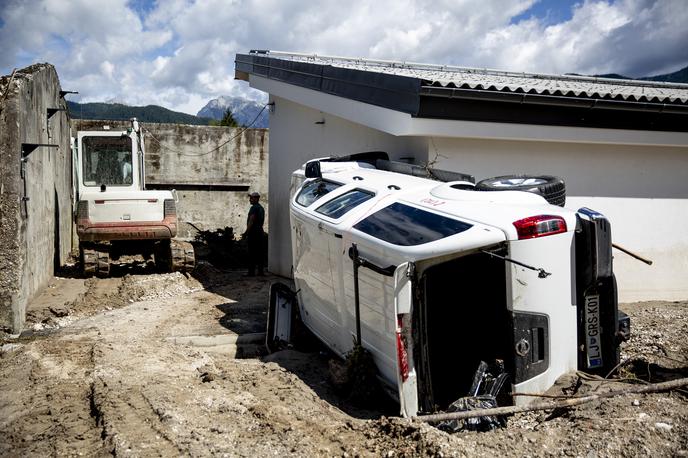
column 85, row 151
column 371, row 195
column 308, row 183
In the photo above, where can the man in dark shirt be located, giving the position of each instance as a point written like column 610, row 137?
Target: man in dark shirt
column 254, row 235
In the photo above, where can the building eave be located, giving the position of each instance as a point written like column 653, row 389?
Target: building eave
column 427, row 91
column 403, row 124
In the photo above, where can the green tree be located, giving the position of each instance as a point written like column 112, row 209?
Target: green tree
column 227, row 120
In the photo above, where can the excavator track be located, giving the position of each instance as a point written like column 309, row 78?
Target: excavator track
column 183, row 256
column 162, row 256
column 95, row 262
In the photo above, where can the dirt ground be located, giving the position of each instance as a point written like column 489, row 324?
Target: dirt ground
column 147, row 364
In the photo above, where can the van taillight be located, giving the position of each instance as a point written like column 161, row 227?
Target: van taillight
column 82, row 209
column 402, row 356
column 170, row 208
column 539, row 226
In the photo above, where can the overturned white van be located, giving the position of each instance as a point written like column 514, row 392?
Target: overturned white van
column 435, row 276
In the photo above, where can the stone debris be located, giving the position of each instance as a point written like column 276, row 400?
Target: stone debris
column 663, row 426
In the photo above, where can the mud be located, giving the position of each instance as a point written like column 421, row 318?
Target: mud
column 109, row 367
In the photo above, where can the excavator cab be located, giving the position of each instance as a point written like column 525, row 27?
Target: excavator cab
column 115, row 214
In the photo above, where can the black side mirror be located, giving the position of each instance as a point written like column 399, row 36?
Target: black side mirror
column 313, row 169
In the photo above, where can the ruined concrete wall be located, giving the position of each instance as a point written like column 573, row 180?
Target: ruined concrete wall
column 36, row 192
column 212, row 169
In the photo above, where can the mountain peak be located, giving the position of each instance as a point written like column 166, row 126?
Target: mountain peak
column 244, row 111
column 679, row 76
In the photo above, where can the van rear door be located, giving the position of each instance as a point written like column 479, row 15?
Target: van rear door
column 404, row 283
column 596, row 294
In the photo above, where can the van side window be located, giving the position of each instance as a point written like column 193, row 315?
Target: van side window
column 338, row 206
column 315, row 190
column 408, row 226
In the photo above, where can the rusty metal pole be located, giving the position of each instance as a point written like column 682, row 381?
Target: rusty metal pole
column 633, row 255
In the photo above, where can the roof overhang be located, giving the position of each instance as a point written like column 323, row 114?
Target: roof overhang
column 403, row 124
column 407, row 106
column 395, row 92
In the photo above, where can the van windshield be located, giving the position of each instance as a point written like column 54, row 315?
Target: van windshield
column 404, row 225
column 107, row 160
column 315, row 190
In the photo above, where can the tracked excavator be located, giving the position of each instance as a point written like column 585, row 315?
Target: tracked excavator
column 115, row 214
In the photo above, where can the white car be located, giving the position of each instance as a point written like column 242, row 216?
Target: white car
column 434, row 277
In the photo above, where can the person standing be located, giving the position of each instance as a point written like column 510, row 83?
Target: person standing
column 254, row 235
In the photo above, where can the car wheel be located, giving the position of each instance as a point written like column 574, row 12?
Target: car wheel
column 550, row 187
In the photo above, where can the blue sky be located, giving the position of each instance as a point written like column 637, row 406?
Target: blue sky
column 180, row 53
column 548, row 12
column 142, row 7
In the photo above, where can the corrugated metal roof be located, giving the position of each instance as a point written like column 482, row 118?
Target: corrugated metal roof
column 442, row 76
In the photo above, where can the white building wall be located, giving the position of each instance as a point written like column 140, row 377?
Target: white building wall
column 643, row 190
column 299, row 134
column 639, row 179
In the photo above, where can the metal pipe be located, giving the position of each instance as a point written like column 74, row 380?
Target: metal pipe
column 362, row 262
column 633, row 255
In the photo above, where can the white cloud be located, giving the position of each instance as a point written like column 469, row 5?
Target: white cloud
column 107, row 69
column 631, row 37
column 181, row 54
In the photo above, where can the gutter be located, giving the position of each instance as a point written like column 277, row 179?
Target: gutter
column 551, row 100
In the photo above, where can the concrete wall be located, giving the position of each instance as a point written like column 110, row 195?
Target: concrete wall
column 643, row 190
column 35, row 235
column 212, row 169
column 305, row 134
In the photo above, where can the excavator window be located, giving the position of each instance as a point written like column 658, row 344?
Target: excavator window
column 107, row 161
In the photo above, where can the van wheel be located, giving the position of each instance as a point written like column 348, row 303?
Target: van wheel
column 550, row 187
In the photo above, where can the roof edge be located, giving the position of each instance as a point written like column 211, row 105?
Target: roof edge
column 476, row 70
column 396, row 92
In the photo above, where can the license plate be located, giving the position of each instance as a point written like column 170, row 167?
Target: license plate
column 592, row 331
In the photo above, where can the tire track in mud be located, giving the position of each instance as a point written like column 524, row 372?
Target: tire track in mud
column 129, row 423
column 46, row 400
column 136, row 378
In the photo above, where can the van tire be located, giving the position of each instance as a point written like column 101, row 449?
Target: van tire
column 550, row 187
